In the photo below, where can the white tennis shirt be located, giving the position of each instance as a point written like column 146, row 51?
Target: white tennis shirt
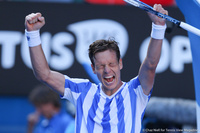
column 98, row 113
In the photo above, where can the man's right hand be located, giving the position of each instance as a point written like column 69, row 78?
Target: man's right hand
column 34, row 21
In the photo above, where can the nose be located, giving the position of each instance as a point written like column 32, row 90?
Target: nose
column 107, row 69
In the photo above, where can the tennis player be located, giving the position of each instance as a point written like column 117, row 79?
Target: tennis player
column 113, row 105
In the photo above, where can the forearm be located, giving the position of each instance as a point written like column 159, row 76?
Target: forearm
column 39, row 63
column 153, row 53
column 148, row 67
column 32, row 119
column 38, row 60
column 155, row 45
column 30, row 129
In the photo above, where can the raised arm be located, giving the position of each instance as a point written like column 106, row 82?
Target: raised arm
column 148, row 67
column 55, row 80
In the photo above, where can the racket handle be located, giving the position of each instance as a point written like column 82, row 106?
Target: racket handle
column 190, row 28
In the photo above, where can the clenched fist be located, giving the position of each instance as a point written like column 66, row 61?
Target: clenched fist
column 34, row 21
column 155, row 19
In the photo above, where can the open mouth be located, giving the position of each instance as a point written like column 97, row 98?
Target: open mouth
column 109, row 79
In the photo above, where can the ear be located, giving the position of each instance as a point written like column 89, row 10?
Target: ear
column 93, row 69
column 120, row 63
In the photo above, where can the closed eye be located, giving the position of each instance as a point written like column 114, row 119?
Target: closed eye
column 113, row 64
column 99, row 66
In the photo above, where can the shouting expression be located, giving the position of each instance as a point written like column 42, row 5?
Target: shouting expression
column 107, row 68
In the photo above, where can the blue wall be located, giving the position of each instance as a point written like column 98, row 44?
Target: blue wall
column 13, row 113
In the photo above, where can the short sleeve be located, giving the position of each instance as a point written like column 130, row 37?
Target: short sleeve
column 136, row 86
column 74, row 87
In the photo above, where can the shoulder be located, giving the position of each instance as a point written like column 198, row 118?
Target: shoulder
column 134, row 82
column 77, row 84
column 76, row 80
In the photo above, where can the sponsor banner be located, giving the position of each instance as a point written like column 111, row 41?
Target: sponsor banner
column 69, row 30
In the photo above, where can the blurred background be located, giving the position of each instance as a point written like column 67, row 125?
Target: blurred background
column 71, row 25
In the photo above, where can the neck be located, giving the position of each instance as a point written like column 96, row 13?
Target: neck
column 110, row 92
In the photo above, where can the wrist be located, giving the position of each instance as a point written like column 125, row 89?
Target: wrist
column 158, row 31
column 33, row 38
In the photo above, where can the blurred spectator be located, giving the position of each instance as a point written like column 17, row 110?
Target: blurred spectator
column 48, row 116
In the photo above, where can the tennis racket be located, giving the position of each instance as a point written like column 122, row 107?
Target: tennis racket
column 145, row 7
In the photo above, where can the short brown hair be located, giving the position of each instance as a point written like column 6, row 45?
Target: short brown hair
column 103, row 45
column 42, row 94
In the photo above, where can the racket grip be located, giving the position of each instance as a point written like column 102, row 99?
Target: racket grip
column 190, row 28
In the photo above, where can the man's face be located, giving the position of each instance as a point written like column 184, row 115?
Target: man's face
column 107, row 68
column 47, row 110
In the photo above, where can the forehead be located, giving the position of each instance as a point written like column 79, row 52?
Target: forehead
column 105, row 56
